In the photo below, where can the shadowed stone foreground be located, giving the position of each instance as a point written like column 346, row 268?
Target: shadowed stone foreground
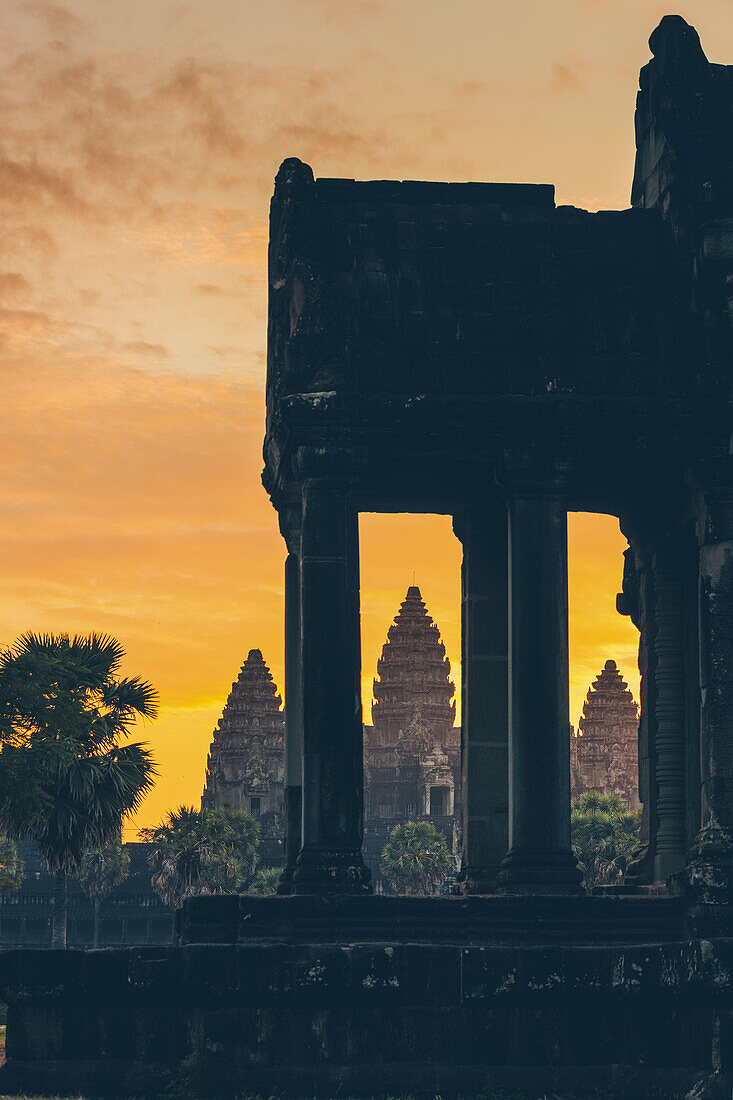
column 366, row 1019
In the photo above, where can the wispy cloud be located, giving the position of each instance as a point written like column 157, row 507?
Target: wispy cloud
column 59, row 20
column 13, row 284
column 567, row 78
column 142, row 347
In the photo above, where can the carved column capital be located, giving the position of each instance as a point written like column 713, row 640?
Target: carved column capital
column 711, row 482
column 339, row 465
column 290, row 523
column 713, row 264
column 485, row 518
column 526, row 473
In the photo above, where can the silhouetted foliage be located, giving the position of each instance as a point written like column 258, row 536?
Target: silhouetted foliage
column 604, row 832
column 265, row 881
column 100, row 871
column 11, row 866
column 64, row 778
column 202, row 852
column 415, row 859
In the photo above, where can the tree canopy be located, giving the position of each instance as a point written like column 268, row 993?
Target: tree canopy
column 202, row 852
column 604, row 832
column 99, row 872
column 11, row 866
column 65, row 780
column 415, row 859
column 265, row 881
column 102, row 869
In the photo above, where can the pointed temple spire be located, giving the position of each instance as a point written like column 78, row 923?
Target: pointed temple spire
column 413, row 675
column 604, row 750
column 254, row 699
column 412, row 751
column 244, row 767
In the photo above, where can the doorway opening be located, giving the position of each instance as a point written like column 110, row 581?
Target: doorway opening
column 597, row 632
column 411, row 681
column 604, row 703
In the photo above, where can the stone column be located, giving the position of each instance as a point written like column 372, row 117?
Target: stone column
column 484, row 695
column 293, row 717
column 637, row 600
column 330, row 860
column 669, row 712
column 710, row 866
column 540, row 859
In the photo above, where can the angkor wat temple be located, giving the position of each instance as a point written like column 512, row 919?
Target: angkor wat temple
column 411, row 750
column 475, row 350
column 604, row 748
column 244, row 768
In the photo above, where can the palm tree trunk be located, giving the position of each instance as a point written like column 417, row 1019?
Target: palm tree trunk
column 95, row 941
column 60, row 903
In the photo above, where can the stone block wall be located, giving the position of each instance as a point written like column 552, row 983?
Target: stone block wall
column 363, row 1020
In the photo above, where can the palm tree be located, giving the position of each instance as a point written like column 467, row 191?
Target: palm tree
column 65, row 781
column 100, row 871
column 415, row 859
column 266, row 881
column 604, row 832
column 202, row 852
column 11, row 866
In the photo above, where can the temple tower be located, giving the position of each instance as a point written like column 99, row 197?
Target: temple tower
column 244, row 770
column 412, row 750
column 413, row 676
column 604, row 749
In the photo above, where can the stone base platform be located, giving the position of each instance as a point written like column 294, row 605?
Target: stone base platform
column 342, row 1016
column 486, row 919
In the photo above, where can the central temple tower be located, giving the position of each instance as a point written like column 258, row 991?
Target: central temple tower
column 413, row 675
column 412, row 750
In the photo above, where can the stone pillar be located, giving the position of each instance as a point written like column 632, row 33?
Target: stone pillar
column 293, row 718
column 710, row 866
column 330, row 860
column 540, row 859
column 669, row 713
column 637, row 601
column 484, row 695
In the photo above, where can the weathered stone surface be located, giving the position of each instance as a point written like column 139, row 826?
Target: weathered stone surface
column 490, row 920
column 539, row 859
column 368, row 1019
column 423, row 331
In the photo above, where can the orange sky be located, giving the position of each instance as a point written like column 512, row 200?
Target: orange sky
column 138, row 144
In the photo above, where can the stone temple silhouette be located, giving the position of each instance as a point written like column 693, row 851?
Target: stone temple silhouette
column 244, row 769
column 478, row 351
column 603, row 750
column 411, row 750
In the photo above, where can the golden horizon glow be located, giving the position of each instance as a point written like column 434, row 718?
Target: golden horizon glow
column 138, row 147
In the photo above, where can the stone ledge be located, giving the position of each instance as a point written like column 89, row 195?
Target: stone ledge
column 482, row 919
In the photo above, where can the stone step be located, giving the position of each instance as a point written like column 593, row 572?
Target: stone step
column 510, row 919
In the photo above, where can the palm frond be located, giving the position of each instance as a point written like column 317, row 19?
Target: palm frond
column 101, row 654
column 130, row 697
column 43, row 645
column 64, row 780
